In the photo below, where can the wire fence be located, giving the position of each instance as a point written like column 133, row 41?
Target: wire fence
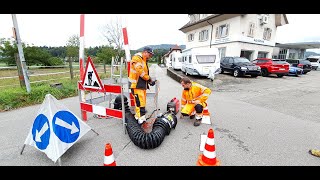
column 37, row 74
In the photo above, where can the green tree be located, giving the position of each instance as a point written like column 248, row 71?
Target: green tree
column 36, row 56
column 105, row 55
column 55, row 61
column 7, row 51
column 72, row 53
column 113, row 33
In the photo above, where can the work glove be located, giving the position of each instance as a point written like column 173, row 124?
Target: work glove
column 152, row 83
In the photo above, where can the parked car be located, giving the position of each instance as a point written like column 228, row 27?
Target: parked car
column 239, row 66
column 295, row 70
column 315, row 61
column 304, row 64
column 280, row 68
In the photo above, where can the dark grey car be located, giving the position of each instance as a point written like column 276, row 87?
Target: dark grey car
column 239, row 66
column 303, row 64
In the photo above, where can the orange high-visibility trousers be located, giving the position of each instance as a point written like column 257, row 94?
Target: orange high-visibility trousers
column 189, row 109
column 140, row 99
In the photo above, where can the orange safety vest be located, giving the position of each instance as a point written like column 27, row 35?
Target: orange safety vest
column 139, row 72
column 196, row 92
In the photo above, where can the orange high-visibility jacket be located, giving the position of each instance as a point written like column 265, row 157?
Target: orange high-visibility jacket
column 139, row 72
column 196, row 92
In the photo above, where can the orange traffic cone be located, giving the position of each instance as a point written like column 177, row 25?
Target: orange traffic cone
column 205, row 111
column 208, row 158
column 206, row 115
column 108, row 156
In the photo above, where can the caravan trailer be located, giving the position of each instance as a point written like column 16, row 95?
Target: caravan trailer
column 176, row 60
column 200, row 61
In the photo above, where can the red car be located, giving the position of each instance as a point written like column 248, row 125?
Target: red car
column 268, row 66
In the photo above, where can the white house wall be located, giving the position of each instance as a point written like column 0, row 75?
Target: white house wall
column 238, row 38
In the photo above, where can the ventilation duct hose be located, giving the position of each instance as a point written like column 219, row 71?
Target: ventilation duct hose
column 160, row 128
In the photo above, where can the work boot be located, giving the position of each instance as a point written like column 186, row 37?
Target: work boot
column 197, row 122
column 192, row 116
column 314, row 152
column 142, row 119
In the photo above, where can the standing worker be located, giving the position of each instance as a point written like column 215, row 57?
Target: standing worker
column 140, row 80
column 193, row 100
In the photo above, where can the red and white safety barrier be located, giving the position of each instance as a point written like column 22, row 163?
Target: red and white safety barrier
column 128, row 58
column 81, row 66
column 81, row 48
column 102, row 111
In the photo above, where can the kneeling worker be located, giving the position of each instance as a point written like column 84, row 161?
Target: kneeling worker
column 193, row 100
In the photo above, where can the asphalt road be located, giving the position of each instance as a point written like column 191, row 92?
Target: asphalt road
column 263, row 121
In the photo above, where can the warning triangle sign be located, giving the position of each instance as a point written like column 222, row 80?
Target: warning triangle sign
column 91, row 80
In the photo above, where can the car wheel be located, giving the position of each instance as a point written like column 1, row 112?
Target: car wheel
column 221, row 72
column 236, row 73
column 264, row 72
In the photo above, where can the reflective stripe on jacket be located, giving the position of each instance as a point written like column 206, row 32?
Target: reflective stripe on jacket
column 196, row 92
column 139, row 72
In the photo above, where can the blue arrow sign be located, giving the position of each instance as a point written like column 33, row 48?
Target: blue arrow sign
column 41, row 131
column 66, row 126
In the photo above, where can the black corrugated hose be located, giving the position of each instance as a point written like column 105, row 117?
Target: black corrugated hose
column 161, row 126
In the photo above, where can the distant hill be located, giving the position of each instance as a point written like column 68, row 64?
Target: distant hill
column 311, row 53
column 163, row 46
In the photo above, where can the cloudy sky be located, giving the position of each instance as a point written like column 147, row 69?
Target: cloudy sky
column 143, row 29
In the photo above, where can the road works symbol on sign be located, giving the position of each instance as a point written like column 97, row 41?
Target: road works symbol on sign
column 91, row 78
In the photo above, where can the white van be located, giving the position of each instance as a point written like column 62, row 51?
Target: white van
column 315, row 61
column 176, row 60
column 200, row 61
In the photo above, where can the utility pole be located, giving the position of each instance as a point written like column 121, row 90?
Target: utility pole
column 20, row 50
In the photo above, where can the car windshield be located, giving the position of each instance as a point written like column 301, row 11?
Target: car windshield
column 241, row 60
column 280, row 62
column 305, row 62
column 313, row 59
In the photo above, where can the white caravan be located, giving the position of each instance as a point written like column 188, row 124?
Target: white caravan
column 176, row 60
column 200, row 61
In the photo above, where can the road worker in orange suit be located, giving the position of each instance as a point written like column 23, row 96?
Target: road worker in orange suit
column 193, row 100
column 140, row 80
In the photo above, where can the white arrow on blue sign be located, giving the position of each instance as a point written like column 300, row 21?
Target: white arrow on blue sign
column 55, row 129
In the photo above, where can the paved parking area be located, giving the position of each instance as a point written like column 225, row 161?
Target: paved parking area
column 296, row 96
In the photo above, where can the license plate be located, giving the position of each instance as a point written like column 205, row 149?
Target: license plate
column 205, row 69
column 282, row 69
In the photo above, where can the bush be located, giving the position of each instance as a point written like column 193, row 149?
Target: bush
column 55, row 61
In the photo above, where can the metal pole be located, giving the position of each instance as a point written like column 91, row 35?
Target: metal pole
column 22, row 148
column 81, row 65
column 21, row 56
column 122, row 99
column 59, row 161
